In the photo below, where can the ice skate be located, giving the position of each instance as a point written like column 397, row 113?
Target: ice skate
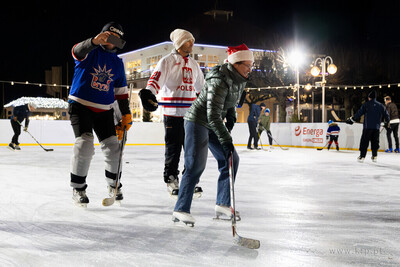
column 198, row 191
column 389, row 150
column 184, row 217
column 11, row 146
column 397, row 150
column 374, row 158
column 173, row 186
column 118, row 197
column 17, row 147
column 79, row 197
column 360, row 159
column 225, row 213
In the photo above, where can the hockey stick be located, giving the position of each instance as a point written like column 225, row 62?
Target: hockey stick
column 283, row 148
column 174, row 104
column 323, row 146
column 259, row 137
column 110, row 200
column 45, row 149
column 237, row 239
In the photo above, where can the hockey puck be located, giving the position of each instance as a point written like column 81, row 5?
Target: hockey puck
column 127, row 162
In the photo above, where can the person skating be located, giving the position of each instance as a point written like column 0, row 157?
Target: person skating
column 394, row 125
column 98, row 80
column 205, row 129
column 374, row 112
column 178, row 78
column 19, row 114
column 333, row 134
column 265, row 124
column 252, row 119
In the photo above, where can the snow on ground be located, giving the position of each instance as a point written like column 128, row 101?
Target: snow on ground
column 307, row 207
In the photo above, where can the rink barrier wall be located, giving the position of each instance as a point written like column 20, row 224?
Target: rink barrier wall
column 303, row 135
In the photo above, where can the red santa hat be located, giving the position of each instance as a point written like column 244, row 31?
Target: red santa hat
column 239, row 53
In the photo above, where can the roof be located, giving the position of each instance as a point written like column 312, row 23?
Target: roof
column 39, row 102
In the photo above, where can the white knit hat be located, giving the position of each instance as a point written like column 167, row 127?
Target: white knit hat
column 179, row 37
column 239, row 53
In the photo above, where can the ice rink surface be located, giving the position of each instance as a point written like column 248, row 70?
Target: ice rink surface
column 307, row 207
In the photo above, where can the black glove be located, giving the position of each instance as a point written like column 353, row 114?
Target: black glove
column 229, row 125
column 149, row 101
column 228, row 149
column 350, row 121
column 327, row 137
column 242, row 99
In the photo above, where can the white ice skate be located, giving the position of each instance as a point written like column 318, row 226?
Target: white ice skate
column 79, row 197
column 173, row 186
column 360, row 159
column 374, row 159
column 184, row 217
column 225, row 213
column 118, row 197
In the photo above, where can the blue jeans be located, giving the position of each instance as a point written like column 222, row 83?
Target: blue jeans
column 198, row 139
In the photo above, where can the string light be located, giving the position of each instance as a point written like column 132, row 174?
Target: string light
column 35, row 84
column 338, row 87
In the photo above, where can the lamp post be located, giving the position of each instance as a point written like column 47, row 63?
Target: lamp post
column 296, row 59
column 315, row 71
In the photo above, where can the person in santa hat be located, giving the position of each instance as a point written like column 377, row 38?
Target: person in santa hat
column 205, row 129
column 177, row 78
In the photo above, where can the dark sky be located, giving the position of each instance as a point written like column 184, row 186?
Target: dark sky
column 40, row 34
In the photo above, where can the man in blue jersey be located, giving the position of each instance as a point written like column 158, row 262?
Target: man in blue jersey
column 99, row 80
column 20, row 113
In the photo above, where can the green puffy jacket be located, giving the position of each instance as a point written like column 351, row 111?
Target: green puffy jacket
column 264, row 122
column 218, row 100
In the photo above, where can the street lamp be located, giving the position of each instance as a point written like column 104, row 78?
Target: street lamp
column 296, row 58
column 315, row 71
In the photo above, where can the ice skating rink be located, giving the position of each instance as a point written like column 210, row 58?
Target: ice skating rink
column 307, row 207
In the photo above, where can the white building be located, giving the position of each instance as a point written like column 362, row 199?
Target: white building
column 139, row 65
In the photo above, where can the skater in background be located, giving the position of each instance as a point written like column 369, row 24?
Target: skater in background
column 19, row 114
column 178, row 78
column 333, row 134
column 205, row 129
column 264, row 123
column 252, row 119
column 98, row 80
column 374, row 113
column 394, row 125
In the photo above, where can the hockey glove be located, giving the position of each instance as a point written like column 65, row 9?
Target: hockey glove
column 350, row 121
column 149, row 100
column 228, row 149
column 327, row 137
column 125, row 123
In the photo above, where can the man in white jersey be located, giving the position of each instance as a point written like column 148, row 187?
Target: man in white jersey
column 178, row 78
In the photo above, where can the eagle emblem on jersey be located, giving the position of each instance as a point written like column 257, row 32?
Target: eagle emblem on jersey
column 187, row 75
column 101, row 78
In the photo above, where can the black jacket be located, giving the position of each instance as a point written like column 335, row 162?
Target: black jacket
column 392, row 110
column 21, row 112
column 374, row 113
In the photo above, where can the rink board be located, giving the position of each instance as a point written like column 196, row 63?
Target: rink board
column 309, row 135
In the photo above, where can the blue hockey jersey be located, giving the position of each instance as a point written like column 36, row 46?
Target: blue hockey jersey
column 333, row 129
column 99, row 80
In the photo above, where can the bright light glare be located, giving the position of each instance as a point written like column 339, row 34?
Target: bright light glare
column 296, row 58
column 332, row 69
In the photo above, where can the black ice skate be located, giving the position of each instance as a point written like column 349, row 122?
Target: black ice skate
column 198, row 191
column 11, row 146
column 79, row 197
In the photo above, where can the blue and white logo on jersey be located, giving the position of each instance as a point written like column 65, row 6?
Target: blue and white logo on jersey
column 101, row 79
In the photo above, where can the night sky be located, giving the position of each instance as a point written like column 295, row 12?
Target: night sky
column 40, row 34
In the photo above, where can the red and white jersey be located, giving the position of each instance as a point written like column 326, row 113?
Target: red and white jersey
column 177, row 79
